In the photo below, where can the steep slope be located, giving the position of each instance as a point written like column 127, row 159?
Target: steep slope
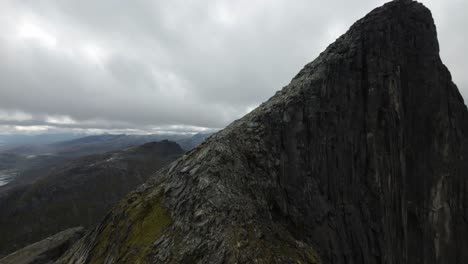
column 47, row 250
column 78, row 193
column 360, row 159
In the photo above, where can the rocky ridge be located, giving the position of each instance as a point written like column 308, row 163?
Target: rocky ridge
column 45, row 251
column 360, row 159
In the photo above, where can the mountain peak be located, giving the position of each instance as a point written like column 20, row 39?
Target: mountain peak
column 341, row 166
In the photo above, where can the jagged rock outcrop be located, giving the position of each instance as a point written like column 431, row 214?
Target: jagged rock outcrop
column 360, row 159
column 45, row 251
column 77, row 193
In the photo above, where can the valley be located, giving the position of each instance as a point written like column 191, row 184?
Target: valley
column 7, row 176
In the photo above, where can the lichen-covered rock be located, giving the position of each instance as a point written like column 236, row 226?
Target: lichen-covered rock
column 45, row 251
column 360, row 159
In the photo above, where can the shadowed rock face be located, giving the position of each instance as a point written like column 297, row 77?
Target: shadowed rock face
column 47, row 250
column 360, row 159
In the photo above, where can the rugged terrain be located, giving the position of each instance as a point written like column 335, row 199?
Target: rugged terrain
column 47, row 250
column 77, row 193
column 25, row 163
column 360, row 159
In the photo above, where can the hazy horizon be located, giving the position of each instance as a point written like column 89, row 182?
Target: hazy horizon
column 157, row 66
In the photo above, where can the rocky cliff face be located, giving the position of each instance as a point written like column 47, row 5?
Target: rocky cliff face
column 77, row 193
column 360, row 159
column 45, row 251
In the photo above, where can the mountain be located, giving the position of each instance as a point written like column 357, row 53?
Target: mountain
column 47, row 250
column 87, row 145
column 24, row 164
column 360, row 159
column 91, row 144
column 190, row 143
column 77, row 193
column 101, row 143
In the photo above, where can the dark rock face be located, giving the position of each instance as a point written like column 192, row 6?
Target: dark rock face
column 47, row 250
column 77, row 193
column 360, row 159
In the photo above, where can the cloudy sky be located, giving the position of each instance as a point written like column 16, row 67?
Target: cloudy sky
column 147, row 66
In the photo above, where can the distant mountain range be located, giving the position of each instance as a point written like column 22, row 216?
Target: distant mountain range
column 9, row 140
column 29, row 161
column 77, row 192
column 95, row 143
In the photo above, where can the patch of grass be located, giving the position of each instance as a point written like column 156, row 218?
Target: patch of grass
column 130, row 231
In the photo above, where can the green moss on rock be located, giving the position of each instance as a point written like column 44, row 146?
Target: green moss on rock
column 131, row 229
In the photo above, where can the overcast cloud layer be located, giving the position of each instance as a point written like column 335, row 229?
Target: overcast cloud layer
column 172, row 65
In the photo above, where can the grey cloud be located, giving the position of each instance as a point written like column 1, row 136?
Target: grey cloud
column 171, row 64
